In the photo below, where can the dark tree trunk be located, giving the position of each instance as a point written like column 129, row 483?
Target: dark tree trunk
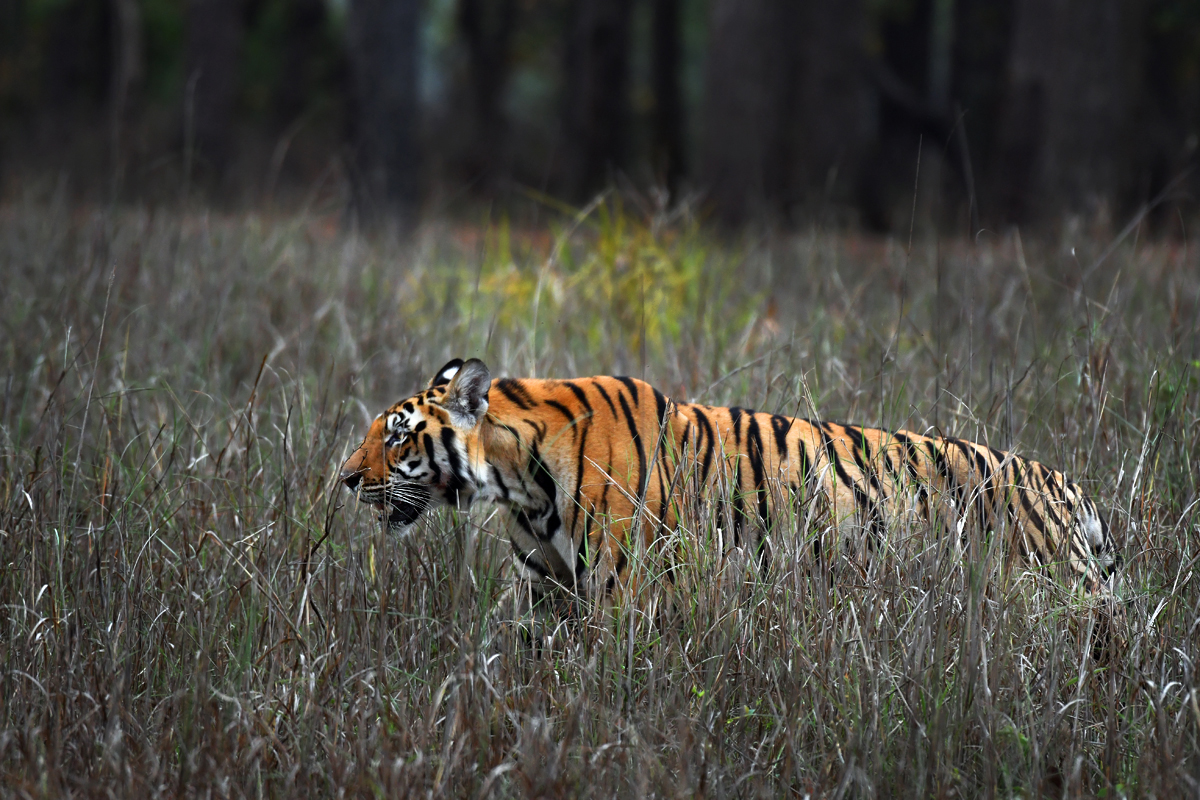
column 667, row 157
column 214, row 38
column 983, row 33
column 595, row 104
column 787, row 114
column 382, row 40
column 127, row 76
column 77, row 57
column 487, row 28
column 128, row 67
column 306, row 21
column 1068, row 97
column 831, row 114
column 747, row 84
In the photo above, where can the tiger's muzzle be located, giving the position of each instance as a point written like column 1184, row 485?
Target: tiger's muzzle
column 400, row 505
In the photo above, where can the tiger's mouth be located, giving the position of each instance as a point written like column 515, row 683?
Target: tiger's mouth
column 403, row 506
column 401, row 515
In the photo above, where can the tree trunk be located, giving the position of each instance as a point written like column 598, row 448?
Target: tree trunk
column 787, row 105
column 127, row 76
column 487, row 29
column 667, row 157
column 747, row 87
column 1069, row 92
column 77, row 56
column 305, row 26
column 214, row 38
column 595, row 104
column 382, row 39
column 831, row 114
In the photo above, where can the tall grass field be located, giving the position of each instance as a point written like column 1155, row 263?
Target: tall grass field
column 192, row 606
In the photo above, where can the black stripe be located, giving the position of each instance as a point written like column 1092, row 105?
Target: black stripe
column 827, row 434
column 681, row 461
column 911, row 460
column 1023, row 492
column 953, row 484
column 781, row 426
column 431, row 452
column 710, row 442
column 863, row 458
column 739, row 512
column 560, row 408
column 637, row 442
column 885, row 451
column 660, row 471
column 808, row 474
column 893, row 468
column 540, row 474
column 576, row 502
column 580, row 395
column 1047, row 492
column 545, row 481
column 515, row 393
column 604, row 394
column 1070, row 489
column 660, row 406
column 1012, row 492
column 457, row 480
column 735, row 419
column 988, row 475
column 754, row 446
column 969, row 486
column 1054, row 480
column 499, row 482
column 630, row 384
column 1054, row 494
column 538, row 426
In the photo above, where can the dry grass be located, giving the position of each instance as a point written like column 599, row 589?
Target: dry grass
column 192, row 608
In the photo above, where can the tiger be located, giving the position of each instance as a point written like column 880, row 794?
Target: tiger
column 588, row 468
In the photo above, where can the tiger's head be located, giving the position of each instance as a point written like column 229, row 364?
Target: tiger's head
column 418, row 454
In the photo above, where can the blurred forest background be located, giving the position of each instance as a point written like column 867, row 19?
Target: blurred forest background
column 865, row 113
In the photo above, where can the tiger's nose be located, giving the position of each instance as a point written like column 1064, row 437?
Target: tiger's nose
column 351, row 478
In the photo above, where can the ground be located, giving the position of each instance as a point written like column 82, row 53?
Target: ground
column 192, row 606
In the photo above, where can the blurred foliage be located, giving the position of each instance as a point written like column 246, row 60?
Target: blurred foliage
column 605, row 274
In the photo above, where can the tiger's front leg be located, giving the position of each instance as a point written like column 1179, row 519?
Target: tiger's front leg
column 533, row 612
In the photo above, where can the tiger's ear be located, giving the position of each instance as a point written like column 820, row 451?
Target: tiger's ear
column 446, row 373
column 467, row 395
